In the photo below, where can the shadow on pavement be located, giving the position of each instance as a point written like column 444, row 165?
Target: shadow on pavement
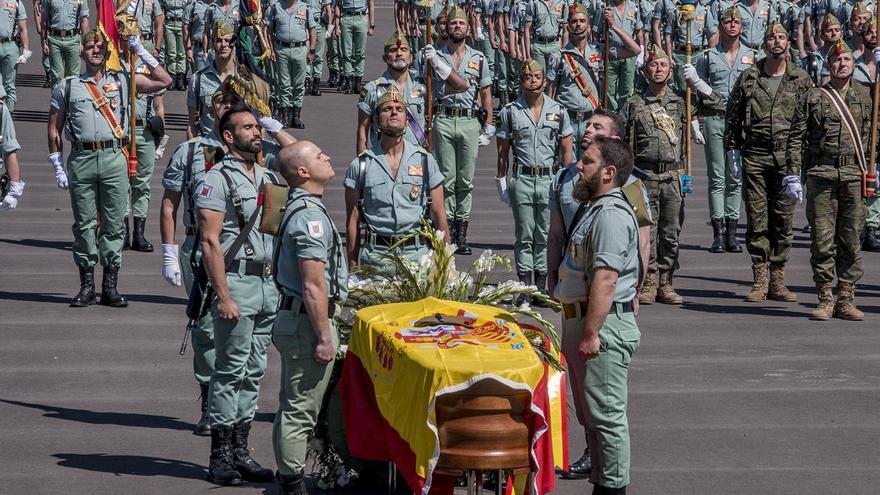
column 757, row 309
column 134, row 465
column 35, row 297
column 106, row 418
column 40, row 243
column 496, row 247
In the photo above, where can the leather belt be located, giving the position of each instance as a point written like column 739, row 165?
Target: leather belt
column 547, row 39
column 658, row 167
column 139, row 122
column 169, row 18
column 354, row 12
column 683, row 48
column 579, row 309
column 190, row 231
column 147, row 36
column 390, row 240
column 767, row 145
column 60, row 33
column 579, row 116
column 292, row 44
column 457, row 112
column 287, row 303
column 535, row 171
column 839, row 161
column 7, row 40
column 98, row 145
column 255, row 268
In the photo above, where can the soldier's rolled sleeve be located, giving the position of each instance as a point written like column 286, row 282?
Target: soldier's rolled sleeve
column 565, row 128
column 270, row 16
column 308, row 242
column 435, row 177
column 504, row 131
column 20, row 12
column 352, row 175
column 192, row 99
column 211, row 193
column 85, row 10
column 57, row 101
column 367, row 102
column 554, row 186
column 172, row 179
column 10, row 142
column 485, row 75
column 529, row 16
column 610, row 239
column 310, row 19
column 157, row 10
column 187, row 13
column 553, row 66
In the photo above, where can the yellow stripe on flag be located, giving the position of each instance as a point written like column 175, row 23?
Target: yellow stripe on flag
column 557, row 409
column 112, row 62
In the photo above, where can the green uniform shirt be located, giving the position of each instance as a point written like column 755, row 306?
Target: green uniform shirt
column 317, row 8
column 677, row 30
column 755, row 25
column 310, row 235
column 713, row 67
column 206, row 81
column 534, row 144
column 64, row 15
column 606, row 236
column 568, row 93
column 474, row 68
column 15, row 12
column 862, row 72
column 290, row 21
column 394, row 205
column 147, row 13
column 547, row 17
column 630, row 22
column 144, row 102
column 195, row 15
column 646, row 113
column 216, row 14
column 84, row 123
column 182, row 176
column 562, row 198
column 414, row 93
column 213, row 193
column 8, row 140
column 353, row 5
column 173, row 9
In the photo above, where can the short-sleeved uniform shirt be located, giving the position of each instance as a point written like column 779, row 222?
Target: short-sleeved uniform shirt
column 183, row 175
column 195, row 16
column 147, row 13
column 547, row 17
column 144, row 102
column 290, row 22
column 173, row 9
column 607, row 236
column 206, row 81
column 353, row 5
column 862, row 72
column 630, row 21
column 713, row 67
column 677, row 30
column 414, row 94
column 534, row 144
column 9, row 143
column 562, row 194
column 84, row 123
column 474, row 68
column 755, row 25
column 309, row 234
column 394, row 205
column 216, row 14
column 568, row 92
column 13, row 11
column 213, row 193
column 64, row 15
column 317, row 9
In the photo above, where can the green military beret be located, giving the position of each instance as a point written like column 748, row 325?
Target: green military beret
column 732, row 12
column 578, row 8
column 92, row 35
column 830, row 20
column 837, row 49
column 223, row 29
column 396, row 39
column 655, row 53
column 456, row 13
column 392, row 95
column 530, row 67
column 775, row 28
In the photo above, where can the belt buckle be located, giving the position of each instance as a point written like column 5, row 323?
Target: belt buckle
column 267, row 270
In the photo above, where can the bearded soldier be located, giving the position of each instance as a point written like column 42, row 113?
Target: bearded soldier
column 834, row 122
column 758, row 118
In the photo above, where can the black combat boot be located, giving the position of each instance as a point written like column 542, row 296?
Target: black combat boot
column 221, row 470
column 870, row 242
column 307, row 86
column 541, row 284
column 316, row 86
column 525, row 278
column 717, row 236
column 202, row 429
column 344, row 84
column 355, row 85
column 183, row 84
column 109, row 295
column 604, row 490
column 296, row 122
column 126, row 237
column 580, row 469
column 731, row 245
column 453, row 232
column 250, row 469
column 461, row 229
column 291, row 484
column 333, row 80
column 138, row 242
column 86, row 295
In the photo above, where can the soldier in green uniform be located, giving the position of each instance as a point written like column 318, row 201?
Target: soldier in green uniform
column 831, row 32
column 13, row 26
column 390, row 188
column 194, row 18
column 716, row 71
column 457, row 124
column 865, row 72
column 655, row 129
column 544, row 29
column 173, row 51
column 151, row 18
column 574, row 75
column 517, row 46
column 501, row 75
column 357, row 21
column 759, row 114
column 537, row 129
column 834, row 123
column 757, row 15
column 206, row 81
column 676, row 38
column 97, row 163
column 9, row 160
column 602, row 265
column 63, row 22
column 621, row 72
column 322, row 15
column 334, row 57
column 244, row 311
column 290, row 24
column 224, row 11
column 398, row 59
column 312, row 278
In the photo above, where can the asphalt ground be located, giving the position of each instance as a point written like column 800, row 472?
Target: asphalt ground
column 725, row 397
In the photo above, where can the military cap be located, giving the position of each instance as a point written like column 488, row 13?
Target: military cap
column 837, row 49
column 870, row 25
column 655, row 53
column 397, row 39
column 830, row 20
column 392, row 95
column 775, row 28
column 731, row 12
column 859, row 9
column 92, row 35
column 530, row 67
column 578, row 8
column 456, row 12
column 223, row 29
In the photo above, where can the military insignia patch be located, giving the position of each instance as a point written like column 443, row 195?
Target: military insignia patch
column 415, row 192
column 631, row 14
column 414, row 170
column 205, row 190
column 301, row 12
column 416, row 93
column 111, row 87
column 10, row 5
column 551, row 116
column 595, row 58
column 559, row 9
column 748, row 59
column 474, row 65
column 316, row 229
column 763, row 12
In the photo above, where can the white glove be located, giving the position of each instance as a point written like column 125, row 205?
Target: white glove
column 329, row 32
column 271, row 125
column 134, row 42
column 132, row 8
column 58, row 164
column 480, row 36
column 793, row 188
column 25, row 55
column 501, row 186
column 640, row 59
column 734, row 163
column 699, row 85
column 696, row 135
column 170, row 264
column 10, row 202
column 160, row 150
column 876, row 52
column 441, row 68
column 487, row 135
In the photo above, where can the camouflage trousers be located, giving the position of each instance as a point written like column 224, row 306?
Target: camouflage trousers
column 667, row 210
column 769, row 211
column 836, row 211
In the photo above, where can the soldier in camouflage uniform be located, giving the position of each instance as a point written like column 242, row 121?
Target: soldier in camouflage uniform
column 759, row 114
column 833, row 170
column 655, row 124
column 865, row 72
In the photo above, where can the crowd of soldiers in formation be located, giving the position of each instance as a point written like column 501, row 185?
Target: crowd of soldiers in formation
column 778, row 93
